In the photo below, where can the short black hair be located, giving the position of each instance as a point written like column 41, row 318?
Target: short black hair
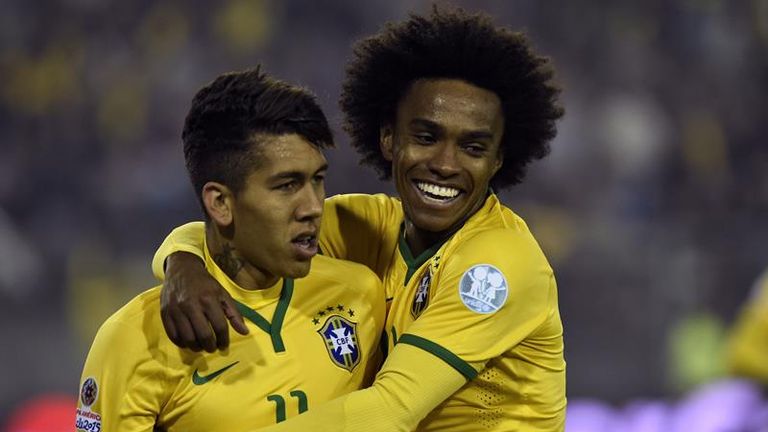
column 452, row 44
column 229, row 115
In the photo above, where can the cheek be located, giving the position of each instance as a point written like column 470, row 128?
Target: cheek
column 259, row 224
column 484, row 172
column 407, row 156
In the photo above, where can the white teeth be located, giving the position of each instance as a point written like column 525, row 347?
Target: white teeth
column 438, row 191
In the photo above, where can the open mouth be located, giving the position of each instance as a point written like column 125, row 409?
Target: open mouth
column 305, row 245
column 434, row 192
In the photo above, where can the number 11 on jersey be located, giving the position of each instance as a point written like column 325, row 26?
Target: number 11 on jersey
column 280, row 413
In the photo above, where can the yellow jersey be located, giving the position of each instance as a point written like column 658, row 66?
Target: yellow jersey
column 310, row 340
column 747, row 352
column 484, row 301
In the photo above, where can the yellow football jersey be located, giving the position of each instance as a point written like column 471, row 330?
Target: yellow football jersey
column 484, row 301
column 310, row 340
column 747, row 353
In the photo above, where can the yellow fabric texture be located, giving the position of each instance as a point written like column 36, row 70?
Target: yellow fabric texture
column 516, row 352
column 512, row 356
column 396, row 402
column 747, row 349
column 144, row 380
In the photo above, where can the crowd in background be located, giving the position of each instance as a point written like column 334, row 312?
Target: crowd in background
column 652, row 207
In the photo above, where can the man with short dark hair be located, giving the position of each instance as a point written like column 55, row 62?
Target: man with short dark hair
column 253, row 148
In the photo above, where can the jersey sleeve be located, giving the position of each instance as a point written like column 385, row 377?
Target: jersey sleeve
column 189, row 237
column 493, row 292
column 409, row 386
column 120, row 389
column 353, row 226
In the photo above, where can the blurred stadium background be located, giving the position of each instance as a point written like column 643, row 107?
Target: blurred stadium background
column 653, row 206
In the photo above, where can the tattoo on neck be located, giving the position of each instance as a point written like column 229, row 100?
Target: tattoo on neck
column 229, row 263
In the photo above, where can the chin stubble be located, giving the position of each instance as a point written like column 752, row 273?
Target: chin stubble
column 228, row 261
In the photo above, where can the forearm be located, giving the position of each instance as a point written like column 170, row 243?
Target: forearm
column 412, row 383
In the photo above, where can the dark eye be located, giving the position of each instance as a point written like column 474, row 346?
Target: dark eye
column 474, row 149
column 318, row 179
column 288, row 186
column 424, row 138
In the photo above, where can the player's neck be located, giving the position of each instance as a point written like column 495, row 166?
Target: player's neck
column 419, row 240
column 231, row 262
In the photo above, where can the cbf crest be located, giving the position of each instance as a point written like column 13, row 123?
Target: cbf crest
column 340, row 335
column 421, row 297
column 483, row 289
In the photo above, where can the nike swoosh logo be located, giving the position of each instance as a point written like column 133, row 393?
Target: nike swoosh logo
column 198, row 379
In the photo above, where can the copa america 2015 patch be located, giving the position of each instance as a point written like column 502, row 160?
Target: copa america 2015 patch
column 87, row 420
column 483, row 289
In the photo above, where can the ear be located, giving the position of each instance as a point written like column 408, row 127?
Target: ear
column 218, row 202
column 385, row 142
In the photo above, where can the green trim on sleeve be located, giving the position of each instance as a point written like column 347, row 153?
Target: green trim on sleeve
column 442, row 353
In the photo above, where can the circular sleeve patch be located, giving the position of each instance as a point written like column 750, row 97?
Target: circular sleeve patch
column 89, row 392
column 483, row 289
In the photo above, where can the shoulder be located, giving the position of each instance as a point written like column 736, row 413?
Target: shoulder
column 509, row 260
column 505, row 246
column 345, row 274
column 138, row 320
column 135, row 310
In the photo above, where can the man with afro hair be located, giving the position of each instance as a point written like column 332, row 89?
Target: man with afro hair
column 449, row 106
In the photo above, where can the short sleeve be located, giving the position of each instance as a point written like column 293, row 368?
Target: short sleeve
column 119, row 388
column 493, row 292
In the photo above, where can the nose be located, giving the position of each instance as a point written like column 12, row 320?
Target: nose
column 444, row 161
column 311, row 203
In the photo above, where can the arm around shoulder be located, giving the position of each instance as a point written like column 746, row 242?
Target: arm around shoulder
column 185, row 238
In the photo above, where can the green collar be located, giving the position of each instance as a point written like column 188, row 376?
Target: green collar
column 272, row 329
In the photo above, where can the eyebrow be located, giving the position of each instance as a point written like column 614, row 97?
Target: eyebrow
column 478, row 135
column 296, row 174
column 472, row 135
column 429, row 124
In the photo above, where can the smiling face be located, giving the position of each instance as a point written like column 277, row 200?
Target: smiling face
column 273, row 222
column 444, row 148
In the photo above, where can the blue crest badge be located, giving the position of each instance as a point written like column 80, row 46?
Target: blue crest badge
column 483, row 289
column 340, row 337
